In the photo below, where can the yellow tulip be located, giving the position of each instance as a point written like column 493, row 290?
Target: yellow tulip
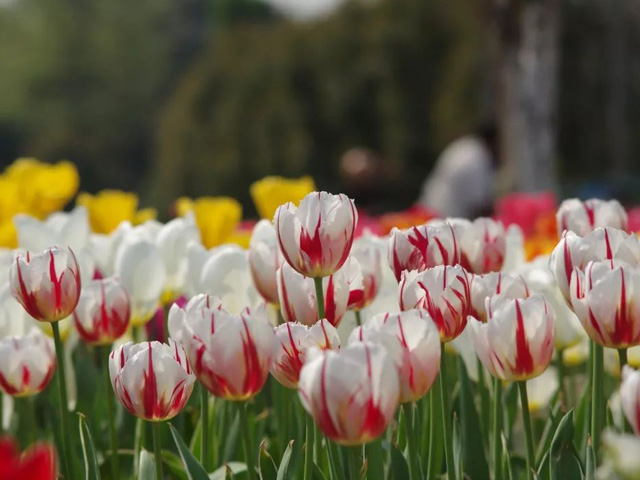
column 240, row 237
column 8, row 234
column 145, row 215
column 109, row 208
column 271, row 192
column 216, row 217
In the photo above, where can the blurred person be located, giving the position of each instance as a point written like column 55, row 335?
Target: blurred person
column 461, row 183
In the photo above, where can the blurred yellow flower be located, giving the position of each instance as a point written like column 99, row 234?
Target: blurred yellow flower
column 216, row 217
column 271, row 192
column 109, row 208
column 240, row 237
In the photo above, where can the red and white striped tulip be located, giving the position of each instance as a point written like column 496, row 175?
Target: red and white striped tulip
column 103, row 312
column 152, row 380
column 483, row 287
column 444, row 292
column 517, row 341
column 583, row 217
column 298, row 296
column 574, row 251
column 47, row 284
column 606, row 299
column 630, row 395
column 294, row 340
column 482, row 243
column 422, row 247
column 368, row 250
column 316, row 237
column 413, row 342
column 26, row 363
column 230, row 353
column 352, row 394
column 355, row 281
column 265, row 259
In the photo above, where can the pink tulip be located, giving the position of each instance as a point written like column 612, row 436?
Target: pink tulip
column 444, row 292
column 26, row 364
column 47, row 285
column 316, row 237
column 294, row 340
column 352, row 394
column 103, row 312
column 583, row 217
column 152, row 380
column 517, row 341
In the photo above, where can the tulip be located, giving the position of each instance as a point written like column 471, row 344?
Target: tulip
column 355, row 281
column 47, row 285
column 152, row 380
column 444, row 292
column 298, row 296
column 584, row 217
column 602, row 244
column 271, row 192
column 483, row 287
column 103, row 312
column 265, row 259
column 368, row 250
column 139, row 267
column 620, row 456
column 482, row 244
column 316, row 237
column 413, row 342
column 172, row 242
column 352, row 394
column 109, row 208
column 26, row 364
column 630, row 394
column 230, row 353
column 216, row 217
column 37, row 463
column 294, row 340
column 422, row 247
column 606, row 299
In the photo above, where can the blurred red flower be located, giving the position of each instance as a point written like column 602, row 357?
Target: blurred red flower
column 37, row 463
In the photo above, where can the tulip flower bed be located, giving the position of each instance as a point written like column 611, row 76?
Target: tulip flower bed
column 320, row 351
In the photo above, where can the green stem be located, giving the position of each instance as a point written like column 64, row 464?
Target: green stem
column 446, row 431
column 358, row 318
column 497, row 429
column 308, row 448
column 596, row 396
column 110, row 413
column 336, row 471
column 414, row 474
column 204, row 429
column 319, row 297
column 157, row 448
column 484, row 398
column 375, row 457
column 622, row 353
column 561, row 375
column 62, row 397
column 526, row 418
column 355, row 462
column 246, row 440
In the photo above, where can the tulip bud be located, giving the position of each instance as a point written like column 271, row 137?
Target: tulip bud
column 152, row 380
column 584, row 217
column 298, row 296
column 38, row 462
column 103, row 312
column 265, row 259
column 316, row 237
column 630, row 394
column 482, row 244
column 294, row 340
column 368, row 250
column 442, row 291
column 483, row 287
column 422, row 247
column 351, row 394
column 47, row 285
column 26, row 363
column 606, row 299
column 413, row 342
column 231, row 353
column 517, row 341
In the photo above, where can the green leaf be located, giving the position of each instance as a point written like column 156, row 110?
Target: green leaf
column 375, row 460
column 317, row 474
column 399, row 467
column 547, row 433
column 544, row 468
column 91, row 467
column 147, row 466
column 472, row 446
column 174, row 464
column 230, row 436
column 195, row 471
column 564, row 459
column 507, row 473
column 582, row 420
column 283, row 469
column 590, row 473
column 227, row 469
column 457, row 447
column 267, row 469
